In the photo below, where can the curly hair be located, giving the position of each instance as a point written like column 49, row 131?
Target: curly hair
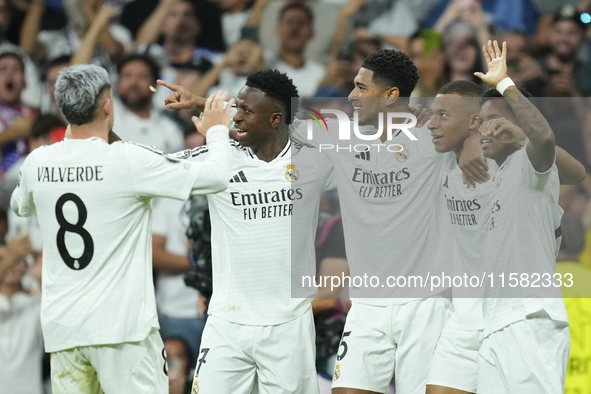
column 277, row 86
column 393, row 68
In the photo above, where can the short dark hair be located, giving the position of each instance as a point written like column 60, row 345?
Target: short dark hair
column 277, row 86
column 58, row 61
column 146, row 59
column 462, row 88
column 297, row 6
column 393, row 68
column 43, row 125
column 16, row 55
column 492, row 93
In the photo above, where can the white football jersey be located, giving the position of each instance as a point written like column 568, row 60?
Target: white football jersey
column 264, row 220
column 466, row 206
column 522, row 229
column 93, row 204
column 389, row 205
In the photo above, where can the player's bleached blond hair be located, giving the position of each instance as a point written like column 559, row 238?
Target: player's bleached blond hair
column 77, row 91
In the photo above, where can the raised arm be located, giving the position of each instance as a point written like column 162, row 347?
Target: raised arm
column 113, row 47
column 152, row 27
column 342, row 29
column 215, row 171
column 166, row 261
column 242, row 50
column 16, row 249
column 101, row 22
column 20, row 128
column 30, row 29
column 257, row 13
column 541, row 148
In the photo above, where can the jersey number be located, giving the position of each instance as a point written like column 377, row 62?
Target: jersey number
column 344, row 345
column 65, row 226
column 202, row 361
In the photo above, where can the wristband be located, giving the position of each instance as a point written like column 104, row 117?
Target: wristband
column 522, row 143
column 504, row 84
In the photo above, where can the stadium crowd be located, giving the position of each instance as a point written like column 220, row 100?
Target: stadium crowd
column 211, row 45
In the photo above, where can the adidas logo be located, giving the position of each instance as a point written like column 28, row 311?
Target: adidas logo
column 238, row 178
column 363, row 156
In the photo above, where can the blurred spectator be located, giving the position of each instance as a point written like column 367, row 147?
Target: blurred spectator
column 234, row 17
column 520, row 65
column 15, row 118
column 295, row 29
column 177, row 23
column 468, row 11
column 424, row 50
column 342, row 68
column 229, row 75
column 344, row 23
column 563, row 74
column 136, row 119
column 45, row 130
column 178, row 358
column 392, row 21
column 46, row 45
column 463, row 54
column 52, row 70
column 176, row 302
column 30, row 95
column 21, row 339
column 503, row 15
column 324, row 25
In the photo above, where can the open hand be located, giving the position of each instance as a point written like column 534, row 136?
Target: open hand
column 496, row 60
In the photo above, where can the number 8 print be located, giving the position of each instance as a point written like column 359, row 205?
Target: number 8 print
column 65, row 226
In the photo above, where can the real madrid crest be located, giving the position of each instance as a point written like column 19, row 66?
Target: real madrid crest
column 337, row 372
column 292, row 174
column 499, row 183
column 403, row 155
column 471, row 185
column 195, row 388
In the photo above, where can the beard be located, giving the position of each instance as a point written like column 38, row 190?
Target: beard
column 137, row 103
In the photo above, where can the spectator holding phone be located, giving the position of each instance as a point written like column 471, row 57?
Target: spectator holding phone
column 563, row 74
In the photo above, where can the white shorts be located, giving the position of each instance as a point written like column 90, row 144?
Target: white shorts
column 455, row 362
column 130, row 368
column 529, row 356
column 238, row 359
column 380, row 342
